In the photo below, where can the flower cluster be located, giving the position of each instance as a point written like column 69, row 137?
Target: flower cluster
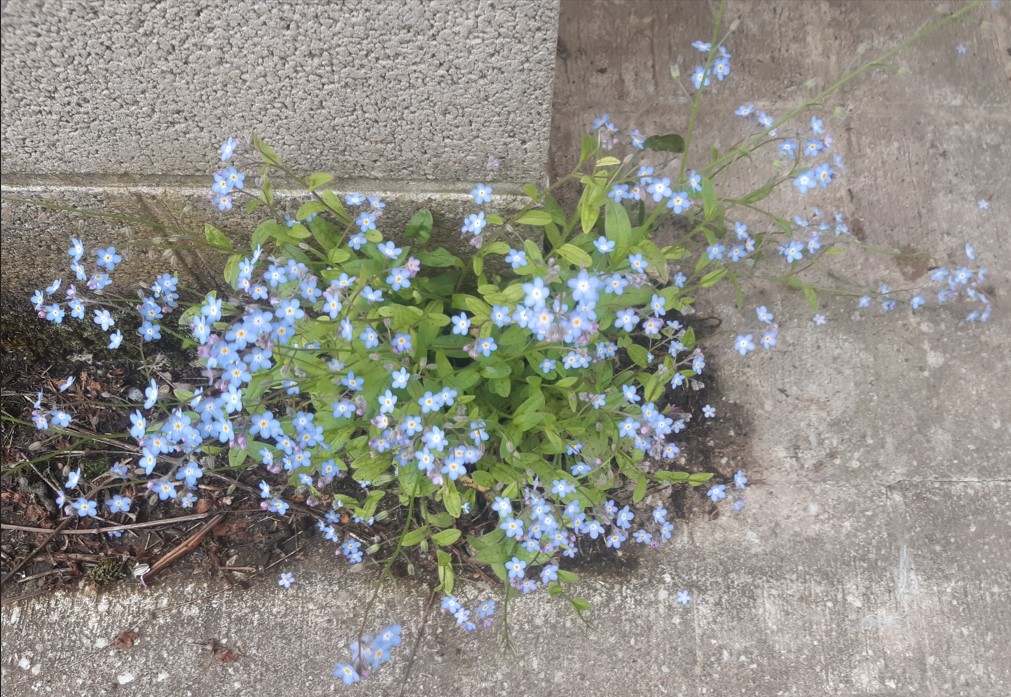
column 484, row 613
column 531, row 395
column 946, row 285
column 368, row 654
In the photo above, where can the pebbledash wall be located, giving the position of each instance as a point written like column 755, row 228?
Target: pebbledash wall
column 121, row 105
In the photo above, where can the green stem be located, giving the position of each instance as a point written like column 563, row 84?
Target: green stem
column 698, row 93
column 838, row 84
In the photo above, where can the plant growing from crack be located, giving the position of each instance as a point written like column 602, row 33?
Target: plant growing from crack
column 511, row 409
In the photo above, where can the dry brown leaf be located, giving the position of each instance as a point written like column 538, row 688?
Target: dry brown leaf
column 125, row 640
column 225, row 654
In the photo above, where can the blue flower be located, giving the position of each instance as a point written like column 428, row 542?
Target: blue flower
column 679, row 201
column 660, row 189
column 535, row 294
column 108, row 258
column 276, row 505
column 165, row 489
column 516, row 568
column 228, row 149
column 286, row 579
column 118, row 504
column 823, row 175
column 721, row 66
column 700, row 78
column 85, row 508
column 516, row 258
column 474, row 223
column 744, row 344
column 717, row 492
column 683, row 597
column 794, row 251
column 709, row 411
column 637, row 263
column 740, row 481
column 805, row 181
column 347, row 673
column 603, row 245
column 615, row 539
column 104, row 319
column 151, row 394
column 481, row 194
column 513, row 527
column 366, row 221
column 763, row 314
column 486, row 346
column 73, row 478
column 769, row 338
column 59, row 418
column 461, row 324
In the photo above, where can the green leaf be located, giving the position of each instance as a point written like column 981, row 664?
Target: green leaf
column 496, row 370
column 618, row 227
column 446, row 537
column 310, row 208
column 446, row 574
column 232, row 270
column 535, row 217
column 501, row 386
column 318, row 179
column 420, row 226
column 710, row 201
column 268, row 190
column 700, row 478
column 575, row 255
column 451, row 500
column 567, row 576
column 415, row 536
column 640, row 489
column 495, row 248
column 270, row 229
column 587, row 147
column 338, row 255
column 217, row 239
column 671, row 142
column 268, row 154
column 589, row 204
column 580, row 605
column 439, row 259
column 638, row 354
column 713, row 277
column 525, row 422
column 236, row 457
column 403, row 316
column 333, row 202
column 673, row 477
column 440, row 519
column 812, row 298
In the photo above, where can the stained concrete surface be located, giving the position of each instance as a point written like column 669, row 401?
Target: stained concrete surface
column 121, row 106
column 872, row 555
column 382, row 90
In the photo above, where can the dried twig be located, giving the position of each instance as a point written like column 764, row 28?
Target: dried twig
column 185, row 548
column 128, row 526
